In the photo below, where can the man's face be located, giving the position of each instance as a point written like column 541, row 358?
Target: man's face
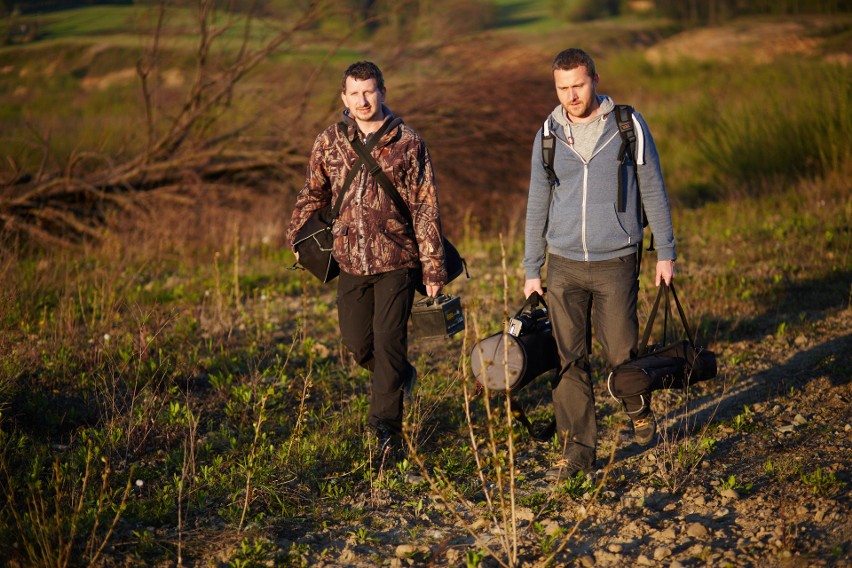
column 576, row 91
column 363, row 99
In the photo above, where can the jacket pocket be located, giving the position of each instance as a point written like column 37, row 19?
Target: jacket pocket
column 400, row 241
column 342, row 245
column 604, row 229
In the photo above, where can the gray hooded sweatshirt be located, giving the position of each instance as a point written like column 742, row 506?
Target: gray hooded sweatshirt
column 578, row 218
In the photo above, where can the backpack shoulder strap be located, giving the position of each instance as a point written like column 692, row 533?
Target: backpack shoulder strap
column 624, row 119
column 627, row 152
column 548, row 152
column 627, row 155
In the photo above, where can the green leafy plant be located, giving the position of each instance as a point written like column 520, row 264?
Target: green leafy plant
column 473, row 558
column 547, row 541
column 736, row 484
column 577, row 486
column 744, row 421
column 822, row 482
column 253, row 553
column 782, row 468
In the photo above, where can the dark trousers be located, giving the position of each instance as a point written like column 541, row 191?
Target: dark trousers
column 573, row 288
column 373, row 313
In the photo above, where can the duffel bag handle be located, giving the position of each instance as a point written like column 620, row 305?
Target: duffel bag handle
column 532, row 303
column 664, row 290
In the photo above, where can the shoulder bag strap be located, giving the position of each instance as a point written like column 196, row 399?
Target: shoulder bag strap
column 353, row 171
column 343, row 189
column 379, row 175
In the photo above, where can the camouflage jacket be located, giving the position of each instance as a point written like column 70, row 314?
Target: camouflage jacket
column 371, row 236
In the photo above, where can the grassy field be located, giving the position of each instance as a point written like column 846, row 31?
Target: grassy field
column 172, row 394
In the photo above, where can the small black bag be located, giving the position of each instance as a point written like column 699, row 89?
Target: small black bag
column 314, row 243
column 662, row 366
column 528, row 352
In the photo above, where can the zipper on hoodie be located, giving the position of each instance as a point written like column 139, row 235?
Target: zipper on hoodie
column 586, row 189
column 585, row 195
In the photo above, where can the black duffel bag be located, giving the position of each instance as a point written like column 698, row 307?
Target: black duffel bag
column 508, row 361
column 664, row 365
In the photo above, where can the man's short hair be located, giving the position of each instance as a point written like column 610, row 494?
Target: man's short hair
column 572, row 58
column 363, row 71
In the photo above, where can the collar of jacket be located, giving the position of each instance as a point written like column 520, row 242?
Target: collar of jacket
column 352, row 129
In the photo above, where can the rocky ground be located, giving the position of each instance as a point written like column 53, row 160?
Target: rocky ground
column 771, row 488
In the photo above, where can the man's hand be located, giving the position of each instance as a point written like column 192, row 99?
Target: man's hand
column 297, row 256
column 432, row 290
column 665, row 271
column 532, row 285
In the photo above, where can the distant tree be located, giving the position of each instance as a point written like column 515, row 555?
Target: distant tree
column 711, row 12
column 584, row 10
column 180, row 140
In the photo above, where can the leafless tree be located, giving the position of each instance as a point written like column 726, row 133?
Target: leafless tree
column 182, row 147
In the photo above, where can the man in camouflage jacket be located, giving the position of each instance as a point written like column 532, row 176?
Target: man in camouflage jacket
column 381, row 256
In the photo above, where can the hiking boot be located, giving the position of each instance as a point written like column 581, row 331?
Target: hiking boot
column 389, row 444
column 576, row 458
column 638, row 408
column 408, row 384
column 644, row 429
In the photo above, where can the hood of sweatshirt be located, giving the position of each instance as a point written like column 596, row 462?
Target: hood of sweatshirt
column 558, row 114
column 583, row 136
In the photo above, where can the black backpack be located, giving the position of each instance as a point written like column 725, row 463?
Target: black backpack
column 626, row 157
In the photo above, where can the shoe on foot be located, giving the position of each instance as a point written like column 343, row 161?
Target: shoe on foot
column 408, row 384
column 389, row 444
column 644, row 429
column 576, row 458
column 638, row 408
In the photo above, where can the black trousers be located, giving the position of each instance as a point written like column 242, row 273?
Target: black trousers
column 574, row 289
column 373, row 313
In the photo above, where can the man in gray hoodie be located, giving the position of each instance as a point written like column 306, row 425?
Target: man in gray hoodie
column 592, row 247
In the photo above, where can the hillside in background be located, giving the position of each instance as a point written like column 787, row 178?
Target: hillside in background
column 172, row 394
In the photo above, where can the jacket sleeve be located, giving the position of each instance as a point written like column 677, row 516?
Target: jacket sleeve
column 315, row 194
column 427, row 219
column 538, row 208
column 654, row 197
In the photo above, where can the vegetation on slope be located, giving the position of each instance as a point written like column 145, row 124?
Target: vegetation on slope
column 171, row 393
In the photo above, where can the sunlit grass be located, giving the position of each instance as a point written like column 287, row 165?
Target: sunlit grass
column 195, row 365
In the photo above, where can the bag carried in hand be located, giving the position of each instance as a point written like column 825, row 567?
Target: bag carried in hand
column 663, row 366
column 453, row 262
column 507, row 361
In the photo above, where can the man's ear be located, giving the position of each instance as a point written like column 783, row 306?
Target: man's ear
column 343, row 98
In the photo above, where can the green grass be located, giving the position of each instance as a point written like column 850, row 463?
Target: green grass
column 130, row 357
column 195, row 363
